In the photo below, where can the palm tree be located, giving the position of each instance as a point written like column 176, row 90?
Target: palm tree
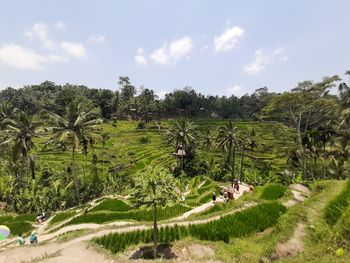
column 20, row 130
column 7, row 112
column 104, row 138
column 227, row 141
column 182, row 136
column 76, row 127
column 208, row 140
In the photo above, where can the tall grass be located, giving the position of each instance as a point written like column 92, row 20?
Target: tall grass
column 242, row 223
column 114, row 205
column 273, row 191
column 335, row 208
column 138, row 215
column 61, row 217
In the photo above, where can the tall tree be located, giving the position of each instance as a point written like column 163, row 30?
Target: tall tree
column 20, row 130
column 75, row 127
column 228, row 140
column 182, row 135
column 308, row 105
column 155, row 188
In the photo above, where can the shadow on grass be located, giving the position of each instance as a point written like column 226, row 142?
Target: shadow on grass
column 146, row 252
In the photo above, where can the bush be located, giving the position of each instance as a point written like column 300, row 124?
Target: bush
column 273, row 191
column 335, row 208
column 144, row 140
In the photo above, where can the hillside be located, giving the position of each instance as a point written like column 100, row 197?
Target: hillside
column 296, row 225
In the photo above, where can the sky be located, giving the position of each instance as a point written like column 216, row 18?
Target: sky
column 216, row 47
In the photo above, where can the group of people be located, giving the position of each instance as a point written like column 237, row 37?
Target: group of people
column 33, row 239
column 227, row 193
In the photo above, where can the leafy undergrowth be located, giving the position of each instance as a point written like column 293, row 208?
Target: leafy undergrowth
column 114, row 205
column 254, row 219
column 137, row 215
column 273, row 191
column 335, row 209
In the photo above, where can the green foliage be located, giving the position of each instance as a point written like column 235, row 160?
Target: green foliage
column 114, row 205
column 18, row 224
column 335, row 209
column 240, row 224
column 61, row 217
column 137, row 215
column 273, row 191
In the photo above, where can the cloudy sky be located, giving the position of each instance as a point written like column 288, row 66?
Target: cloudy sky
column 218, row 47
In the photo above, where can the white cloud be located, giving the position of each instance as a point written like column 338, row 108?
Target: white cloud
column 76, row 50
column 236, row 90
column 59, row 25
column 140, row 58
column 40, row 32
column 173, row 51
column 262, row 60
column 259, row 64
column 161, row 94
column 22, row 58
column 229, row 40
column 97, row 38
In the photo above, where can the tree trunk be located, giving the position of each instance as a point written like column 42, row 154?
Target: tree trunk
column 241, row 167
column 73, row 174
column 155, row 231
column 233, row 158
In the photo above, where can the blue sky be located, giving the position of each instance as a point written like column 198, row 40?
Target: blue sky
column 216, row 47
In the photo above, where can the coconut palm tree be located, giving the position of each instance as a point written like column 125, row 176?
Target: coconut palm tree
column 182, row 135
column 228, row 140
column 75, row 128
column 208, row 140
column 20, row 130
column 104, row 138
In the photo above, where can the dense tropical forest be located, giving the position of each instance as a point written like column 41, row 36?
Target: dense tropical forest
column 63, row 147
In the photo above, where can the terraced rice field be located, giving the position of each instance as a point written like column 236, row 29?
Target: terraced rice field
column 124, row 153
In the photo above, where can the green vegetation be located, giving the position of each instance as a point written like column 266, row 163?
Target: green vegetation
column 114, row 205
column 335, row 209
column 21, row 224
column 61, row 217
column 240, row 224
column 136, row 214
column 273, row 191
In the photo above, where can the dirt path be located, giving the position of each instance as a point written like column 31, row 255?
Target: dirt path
column 57, row 250
column 293, row 246
column 77, row 250
column 196, row 210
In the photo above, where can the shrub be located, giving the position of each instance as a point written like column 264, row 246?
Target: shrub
column 273, row 191
column 335, row 208
column 144, row 140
